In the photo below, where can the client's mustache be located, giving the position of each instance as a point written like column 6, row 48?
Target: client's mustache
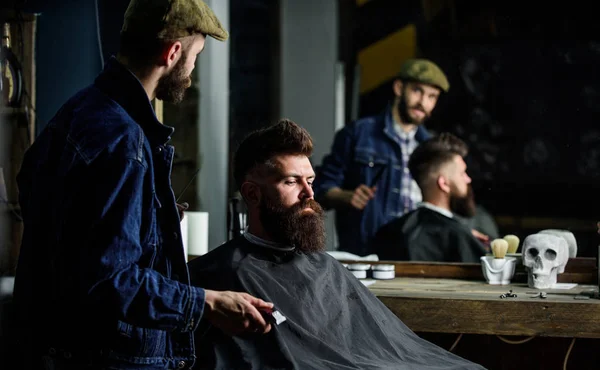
column 308, row 203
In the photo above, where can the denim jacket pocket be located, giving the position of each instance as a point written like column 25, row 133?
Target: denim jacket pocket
column 368, row 163
column 138, row 345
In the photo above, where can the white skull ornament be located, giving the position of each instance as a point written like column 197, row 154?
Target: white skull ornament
column 544, row 256
column 569, row 237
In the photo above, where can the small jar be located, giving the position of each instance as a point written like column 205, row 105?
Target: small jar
column 359, row 269
column 384, row 272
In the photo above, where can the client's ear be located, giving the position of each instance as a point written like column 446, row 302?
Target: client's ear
column 443, row 184
column 251, row 193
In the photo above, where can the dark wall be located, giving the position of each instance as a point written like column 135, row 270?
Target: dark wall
column 524, row 95
column 253, row 67
column 111, row 20
column 67, row 53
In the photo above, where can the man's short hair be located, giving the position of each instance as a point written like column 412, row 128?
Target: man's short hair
column 261, row 146
column 434, row 153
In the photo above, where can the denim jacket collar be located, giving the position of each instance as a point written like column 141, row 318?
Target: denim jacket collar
column 125, row 88
column 388, row 126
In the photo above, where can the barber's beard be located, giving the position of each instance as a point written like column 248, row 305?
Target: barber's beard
column 463, row 206
column 405, row 117
column 293, row 225
column 171, row 87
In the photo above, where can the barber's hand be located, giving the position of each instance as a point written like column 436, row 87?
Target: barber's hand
column 180, row 208
column 481, row 237
column 361, row 196
column 236, row 313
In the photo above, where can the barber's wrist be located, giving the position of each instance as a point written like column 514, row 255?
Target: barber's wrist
column 337, row 197
column 210, row 297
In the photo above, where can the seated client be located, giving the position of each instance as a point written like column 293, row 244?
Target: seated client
column 431, row 232
column 325, row 318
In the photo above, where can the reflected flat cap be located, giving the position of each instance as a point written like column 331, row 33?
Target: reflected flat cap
column 424, row 71
column 172, row 19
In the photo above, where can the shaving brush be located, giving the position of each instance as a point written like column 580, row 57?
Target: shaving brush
column 499, row 248
column 513, row 243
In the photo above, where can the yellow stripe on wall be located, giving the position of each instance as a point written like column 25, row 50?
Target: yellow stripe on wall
column 381, row 61
column 361, row 2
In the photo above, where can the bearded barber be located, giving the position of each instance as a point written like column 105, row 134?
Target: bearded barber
column 365, row 178
column 102, row 280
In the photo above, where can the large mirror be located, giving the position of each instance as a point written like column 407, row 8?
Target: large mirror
column 524, row 95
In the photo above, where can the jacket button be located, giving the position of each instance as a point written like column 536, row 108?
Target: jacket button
column 181, row 364
column 159, row 149
column 371, row 164
column 175, row 235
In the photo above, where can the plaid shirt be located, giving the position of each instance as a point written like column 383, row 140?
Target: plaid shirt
column 410, row 191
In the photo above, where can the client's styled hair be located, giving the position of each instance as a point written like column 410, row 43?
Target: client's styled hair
column 282, row 138
column 432, row 154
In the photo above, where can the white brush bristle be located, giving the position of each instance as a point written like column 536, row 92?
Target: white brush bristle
column 499, row 248
column 513, row 243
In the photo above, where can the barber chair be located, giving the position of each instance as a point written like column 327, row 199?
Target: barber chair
column 236, row 218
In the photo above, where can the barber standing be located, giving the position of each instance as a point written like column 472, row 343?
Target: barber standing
column 102, row 280
column 365, row 178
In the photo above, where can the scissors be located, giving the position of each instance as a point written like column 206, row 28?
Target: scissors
column 378, row 175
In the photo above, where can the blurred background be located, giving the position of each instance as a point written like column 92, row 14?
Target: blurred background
column 524, row 94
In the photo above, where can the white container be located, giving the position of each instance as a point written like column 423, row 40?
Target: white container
column 359, row 269
column 498, row 271
column 194, row 233
column 384, row 272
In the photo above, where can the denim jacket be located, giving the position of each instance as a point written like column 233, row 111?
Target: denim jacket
column 101, row 272
column 359, row 151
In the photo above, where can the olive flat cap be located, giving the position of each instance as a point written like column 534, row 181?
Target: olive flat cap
column 172, row 19
column 424, row 71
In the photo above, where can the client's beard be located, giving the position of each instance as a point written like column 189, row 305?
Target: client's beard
column 463, row 206
column 290, row 225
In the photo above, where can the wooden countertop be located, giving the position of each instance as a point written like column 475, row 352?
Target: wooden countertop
column 475, row 307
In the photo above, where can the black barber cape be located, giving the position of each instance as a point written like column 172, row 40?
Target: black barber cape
column 426, row 235
column 333, row 320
